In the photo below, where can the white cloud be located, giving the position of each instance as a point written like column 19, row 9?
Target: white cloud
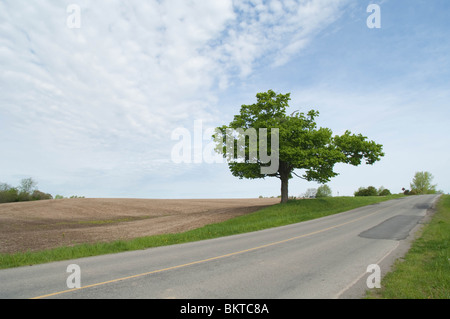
column 273, row 31
column 108, row 95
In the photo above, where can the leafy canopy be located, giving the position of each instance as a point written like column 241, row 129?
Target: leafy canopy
column 422, row 183
column 302, row 144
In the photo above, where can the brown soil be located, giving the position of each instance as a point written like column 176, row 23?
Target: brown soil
column 30, row 226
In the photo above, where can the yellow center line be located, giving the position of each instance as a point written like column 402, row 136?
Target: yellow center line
column 204, row 260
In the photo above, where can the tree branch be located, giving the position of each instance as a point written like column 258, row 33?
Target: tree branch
column 298, row 176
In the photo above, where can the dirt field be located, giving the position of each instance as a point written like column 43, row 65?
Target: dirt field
column 52, row 223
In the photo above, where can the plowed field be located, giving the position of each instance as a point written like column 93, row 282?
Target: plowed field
column 37, row 225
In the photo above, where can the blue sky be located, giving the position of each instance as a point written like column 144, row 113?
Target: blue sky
column 90, row 111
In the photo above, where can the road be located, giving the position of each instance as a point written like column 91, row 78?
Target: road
column 322, row 258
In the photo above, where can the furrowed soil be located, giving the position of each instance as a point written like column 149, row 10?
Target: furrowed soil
column 38, row 225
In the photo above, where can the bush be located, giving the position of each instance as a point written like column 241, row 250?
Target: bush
column 369, row 191
column 25, row 192
column 38, row 195
column 9, row 195
column 372, row 191
column 24, row 197
column 408, row 192
column 324, row 191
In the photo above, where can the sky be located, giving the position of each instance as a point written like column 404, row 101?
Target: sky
column 93, row 92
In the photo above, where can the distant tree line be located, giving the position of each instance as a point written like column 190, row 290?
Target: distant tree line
column 62, row 197
column 26, row 191
column 420, row 185
column 372, row 191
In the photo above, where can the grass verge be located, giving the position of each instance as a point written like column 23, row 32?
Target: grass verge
column 294, row 211
column 424, row 273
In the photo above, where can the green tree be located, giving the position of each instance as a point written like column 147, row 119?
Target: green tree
column 26, row 189
column 27, row 186
column 38, row 195
column 302, row 145
column 421, row 183
column 324, row 191
column 8, row 194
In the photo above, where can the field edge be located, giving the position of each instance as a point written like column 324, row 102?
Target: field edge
column 294, row 211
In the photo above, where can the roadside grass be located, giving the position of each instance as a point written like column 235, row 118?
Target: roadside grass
column 424, row 273
column 294, row 211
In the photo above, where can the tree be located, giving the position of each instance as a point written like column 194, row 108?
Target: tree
column 324, row 191
column 38, row 195
column 8, row 194
column 421, row 183
column 26, row 188
column 27, row 185
column 302, row 145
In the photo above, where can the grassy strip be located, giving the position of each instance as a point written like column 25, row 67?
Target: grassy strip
column 425, row 271
column 294, row 211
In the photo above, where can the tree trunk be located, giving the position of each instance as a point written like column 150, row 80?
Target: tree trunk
column 284, row 189
column 285, row 174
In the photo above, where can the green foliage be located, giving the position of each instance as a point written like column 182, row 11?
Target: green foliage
column 324, row 191
column 62, row 197
column 372, row 191
column 421, row 183
column 27, row 186
column 408, row 192
column 8, row 194
column 384, row 192
column 369, row 191
column 303, row 145
column 25, row 192
column 38, row 195
column 24, row 197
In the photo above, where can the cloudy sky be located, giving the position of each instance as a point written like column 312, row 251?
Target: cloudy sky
column 91, row 92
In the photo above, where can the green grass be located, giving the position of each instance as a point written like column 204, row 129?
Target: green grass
column 278, row 215
column 424, row 273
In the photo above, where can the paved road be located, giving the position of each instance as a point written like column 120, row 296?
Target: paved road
column 323, row 258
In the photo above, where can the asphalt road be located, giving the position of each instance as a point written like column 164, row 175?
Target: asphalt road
column 323, row 258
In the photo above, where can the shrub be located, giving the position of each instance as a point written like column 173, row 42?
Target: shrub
column 324, row 191
column 384, row 192
column 408, row 192
column 9, row 195
column 372, row 191
column 38, row 195
column 25, row 192
column 24, row 196
column 369, row 191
